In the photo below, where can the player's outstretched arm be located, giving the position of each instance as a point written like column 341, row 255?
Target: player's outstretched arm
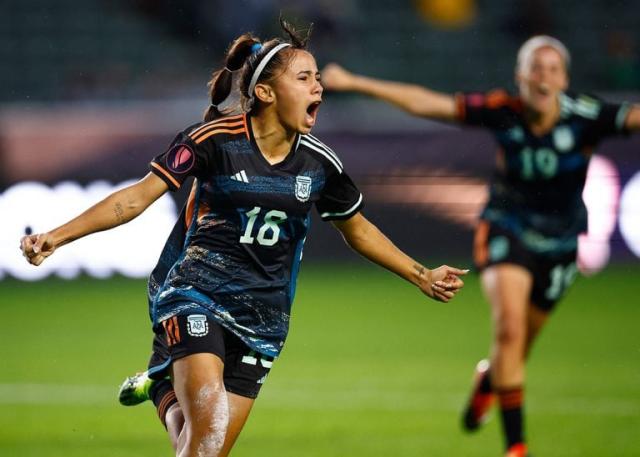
column 414, row 99
column 118, row 208
column 441, row 284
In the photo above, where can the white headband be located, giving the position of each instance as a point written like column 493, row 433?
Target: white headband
column 263, row 63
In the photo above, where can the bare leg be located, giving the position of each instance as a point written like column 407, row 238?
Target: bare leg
column 197, row 380
column 536, row 319
column 508, row 288
column 239, row 410
column 174, row 420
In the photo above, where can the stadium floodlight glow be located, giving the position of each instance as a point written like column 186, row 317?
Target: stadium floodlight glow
column 131, row 250
column 601, row 195
column 630, row 214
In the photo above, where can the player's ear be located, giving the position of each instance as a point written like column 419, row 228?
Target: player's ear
column 265, row 93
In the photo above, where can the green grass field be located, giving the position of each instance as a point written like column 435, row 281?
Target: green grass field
column 371, row 368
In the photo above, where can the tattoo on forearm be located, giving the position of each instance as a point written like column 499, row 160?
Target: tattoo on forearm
column 119, row 212
column 419, row 269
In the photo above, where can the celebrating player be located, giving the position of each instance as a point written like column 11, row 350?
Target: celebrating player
column 221, row 293
column 526, row 241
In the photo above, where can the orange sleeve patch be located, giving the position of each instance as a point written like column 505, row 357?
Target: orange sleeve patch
column 497, row 98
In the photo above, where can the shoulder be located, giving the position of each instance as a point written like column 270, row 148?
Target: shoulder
column 493, row 99
column 321, row 151
column 218, row 129
column 489, row 109
column 584, row 106
column 500, row 98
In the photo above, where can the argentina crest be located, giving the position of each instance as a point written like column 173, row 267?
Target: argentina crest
column 303, row 188
column 197, row 325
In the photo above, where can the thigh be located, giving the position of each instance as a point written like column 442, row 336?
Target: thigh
column 197, row 381
column 507, row 287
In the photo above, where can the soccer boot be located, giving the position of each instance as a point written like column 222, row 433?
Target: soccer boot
column 477, row 409
column 135, row 389
column 518, row 450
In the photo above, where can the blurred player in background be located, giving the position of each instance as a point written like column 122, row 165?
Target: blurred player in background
column 526, row 241
column 221, row 294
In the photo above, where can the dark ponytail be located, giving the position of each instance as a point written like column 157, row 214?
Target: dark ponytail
column 242, row 58
column 221, row 83
column 297, row 38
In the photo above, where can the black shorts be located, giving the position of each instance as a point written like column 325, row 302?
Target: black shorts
column 552, row 274
column 245, row 370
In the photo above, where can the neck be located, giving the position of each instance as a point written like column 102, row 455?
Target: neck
column 542, row 122
column 273, row 139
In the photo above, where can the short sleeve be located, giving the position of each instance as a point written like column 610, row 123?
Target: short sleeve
column 340, row 199
column 494, row 110
column 182, row 159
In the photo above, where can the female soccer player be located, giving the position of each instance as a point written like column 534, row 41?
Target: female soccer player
column 526, row 241
column 222, row 291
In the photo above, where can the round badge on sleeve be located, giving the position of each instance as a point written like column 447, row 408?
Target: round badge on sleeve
column 181, row 159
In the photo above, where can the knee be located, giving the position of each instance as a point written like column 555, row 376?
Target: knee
column 211, row 411
column 510, row 332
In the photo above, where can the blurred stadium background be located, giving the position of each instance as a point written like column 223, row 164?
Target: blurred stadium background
column 91, row 91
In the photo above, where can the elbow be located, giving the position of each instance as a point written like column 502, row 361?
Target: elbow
column 134, row 207
column 357, row 239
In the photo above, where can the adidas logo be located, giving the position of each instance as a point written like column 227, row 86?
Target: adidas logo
column 240, row 176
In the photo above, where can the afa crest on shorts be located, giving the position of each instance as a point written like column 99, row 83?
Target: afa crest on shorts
column 197, row 325
column 303, row 188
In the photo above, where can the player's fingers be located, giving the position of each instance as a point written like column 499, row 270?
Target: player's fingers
column 27, row 248
column 37, row 260
column 456, row 271
column 451, row 283
column 40, row 240
column 25, row 243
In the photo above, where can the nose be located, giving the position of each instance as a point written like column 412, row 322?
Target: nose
column 317, row 88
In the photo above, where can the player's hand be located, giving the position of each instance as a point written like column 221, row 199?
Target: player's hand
column 443, row 283
column 334, row 77
column 36, row 248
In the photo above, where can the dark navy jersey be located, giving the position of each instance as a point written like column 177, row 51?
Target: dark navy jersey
column 536, row 192
column 235, row 252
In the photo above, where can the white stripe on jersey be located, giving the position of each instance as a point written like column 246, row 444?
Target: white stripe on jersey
column 298, row 142
column 347, row 212
column 317, row 142
column 323, row 152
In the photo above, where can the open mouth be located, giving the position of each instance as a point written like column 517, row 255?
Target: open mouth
column 544, row 89
column 312, row 112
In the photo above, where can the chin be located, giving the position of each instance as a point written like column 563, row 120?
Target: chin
column 542, row 106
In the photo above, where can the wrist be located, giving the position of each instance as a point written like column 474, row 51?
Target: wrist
column 57, row 238
column 357, row 83
column 420, row 274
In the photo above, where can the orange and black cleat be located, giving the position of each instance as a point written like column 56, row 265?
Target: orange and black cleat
column 517, row 450
column 477, row 410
